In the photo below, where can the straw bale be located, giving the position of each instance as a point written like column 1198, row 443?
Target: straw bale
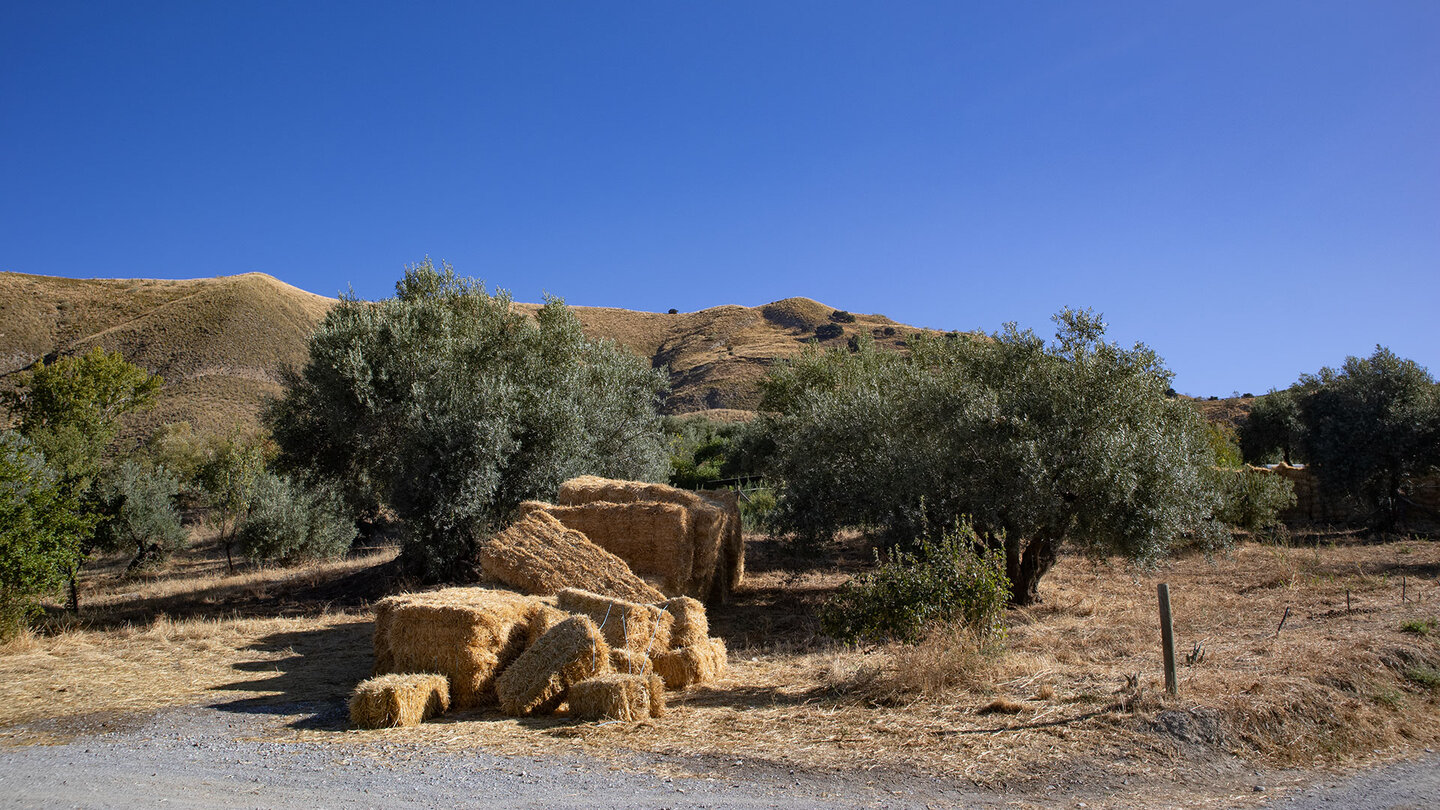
column 630, row 663
column 691, row 665
column 611, row 697
column 626, row 624
column 731, row 568
column 466, row 634
column 707, row 522
column 653, row 538
column 566, row 654
column 691, row 625
column 657, row 694
column 538, row 555
column 390, row 701
column 545, row 617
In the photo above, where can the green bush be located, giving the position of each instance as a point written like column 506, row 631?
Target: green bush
column 40, row 531
column 947, row 581
column 755, row 509
column 1252, row 499
column 829, row 331
column 841, row 316
column 290, row 522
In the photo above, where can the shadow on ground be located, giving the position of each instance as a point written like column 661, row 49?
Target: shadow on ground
column 309, row 672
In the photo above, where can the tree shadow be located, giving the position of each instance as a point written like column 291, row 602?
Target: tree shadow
column 312, row 677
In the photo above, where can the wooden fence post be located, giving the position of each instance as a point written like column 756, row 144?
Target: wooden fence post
column 1167, row 639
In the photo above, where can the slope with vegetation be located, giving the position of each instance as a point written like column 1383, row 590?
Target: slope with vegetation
column 221, row 344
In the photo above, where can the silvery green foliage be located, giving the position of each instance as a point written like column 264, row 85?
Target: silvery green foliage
column 1046, row 444
column 289, row 521
column 450, row 407
column 137, row 504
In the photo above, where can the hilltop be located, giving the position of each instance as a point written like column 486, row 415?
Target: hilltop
column 221, row 344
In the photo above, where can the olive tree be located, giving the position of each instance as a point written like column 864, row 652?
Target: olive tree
column 1040, row 444
column 450, row 407
column 139, row 515
column 1370, row 428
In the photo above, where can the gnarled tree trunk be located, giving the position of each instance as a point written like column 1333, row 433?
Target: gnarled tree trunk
column 1025, row 564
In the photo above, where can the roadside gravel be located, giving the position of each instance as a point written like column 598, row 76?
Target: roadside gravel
column 201, row 757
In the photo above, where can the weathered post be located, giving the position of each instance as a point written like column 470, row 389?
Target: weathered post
column 1167, row 639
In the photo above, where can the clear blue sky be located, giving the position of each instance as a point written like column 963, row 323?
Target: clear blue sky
column 1252, row 188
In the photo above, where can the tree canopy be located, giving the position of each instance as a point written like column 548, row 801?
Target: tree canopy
column 450, row 407
column 40, row 530
column 1040, row 444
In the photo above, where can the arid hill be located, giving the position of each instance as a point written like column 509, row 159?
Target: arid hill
column 221, row 343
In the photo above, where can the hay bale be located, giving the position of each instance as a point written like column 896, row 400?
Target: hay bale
column 539, row 679
column 731, row 568
column 707, row 521
column 466, row 634
column 611, row 697
column 691, row 624
column 653, row 538
column 687, row 666
column 657, row 694
column 631, row 663
column 390, row 701
column 538, row 555
column 626, row 624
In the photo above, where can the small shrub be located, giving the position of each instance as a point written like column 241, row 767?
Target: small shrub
column 906, row 593
column 674, row 311
column 841, row 316
column 1252, row 499
column 888, row 331
column 755, row 509
column 1420, row 627
column 829, row 331
column 290, row 521
column 1427, row 677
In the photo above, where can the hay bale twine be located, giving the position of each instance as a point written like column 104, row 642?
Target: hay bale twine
column 692, row 626
column 571, row 651
column 693, row 665
column 630, row 663
column 538, row 555
column 611, row 697
column 391, row 701
column 631, row 625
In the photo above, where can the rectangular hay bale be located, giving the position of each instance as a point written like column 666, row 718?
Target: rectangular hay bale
column 539, row 555
column 538, row 681
column 611, row 697
column 626, row 624
column 392, row 701
column 465, row 634
column 707, row 522
column 653, row 538
column 630, row 663
column 691, row 624
column 693, row 665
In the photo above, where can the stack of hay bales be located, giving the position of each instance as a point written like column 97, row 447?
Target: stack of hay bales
column 467, row 635
column 537, row 554
column 540, row 679
column 690, row 542
column 694, row 657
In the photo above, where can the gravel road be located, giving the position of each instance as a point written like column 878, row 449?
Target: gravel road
column 205, row 758
column 201, row 757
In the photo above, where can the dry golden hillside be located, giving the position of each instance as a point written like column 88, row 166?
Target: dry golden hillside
column 221, row 343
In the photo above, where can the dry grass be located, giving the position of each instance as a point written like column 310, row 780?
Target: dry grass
column 1334, row 685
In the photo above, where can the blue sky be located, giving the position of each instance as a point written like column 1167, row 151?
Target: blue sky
column 1251, row 188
